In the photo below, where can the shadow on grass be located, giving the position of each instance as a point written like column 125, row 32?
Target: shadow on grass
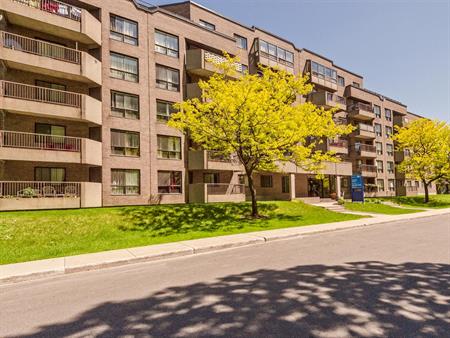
column 175, row 219
column 358, row 299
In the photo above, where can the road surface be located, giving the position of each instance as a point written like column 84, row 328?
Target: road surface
column 383, row 280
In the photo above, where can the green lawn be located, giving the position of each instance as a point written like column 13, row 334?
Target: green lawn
column 31, row 235
column 378, row 208
column 436, row 201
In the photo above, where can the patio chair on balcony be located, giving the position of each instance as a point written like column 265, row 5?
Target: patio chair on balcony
column 70, row 191
column 48, row 191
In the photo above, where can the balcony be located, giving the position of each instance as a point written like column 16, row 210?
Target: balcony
column 32, row 195
column 359, row 94
column 36, row 56
column 366, row 170
column 20, row 146
column 337, row 146
column 216, row 192
column 364, row 131
column 272, row 61
column 202, row 62
column 365, row 150
column 193, row 90
column 40, row 101
column 54, row 18
column 328, row 100
column 210, row 160
column 361, row 111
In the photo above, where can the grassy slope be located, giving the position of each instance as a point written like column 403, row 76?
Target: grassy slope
column 436, row 201
column 35, row 235
column 378, row 208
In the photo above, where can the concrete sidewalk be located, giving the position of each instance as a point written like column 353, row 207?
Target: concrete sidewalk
column 57, row 266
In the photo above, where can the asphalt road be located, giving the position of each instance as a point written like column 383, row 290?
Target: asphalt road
column 383, row 280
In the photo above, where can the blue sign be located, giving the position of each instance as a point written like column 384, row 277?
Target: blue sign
column 357, row 181
column 357, row 188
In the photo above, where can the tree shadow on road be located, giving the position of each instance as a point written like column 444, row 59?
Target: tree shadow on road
column 361, row 299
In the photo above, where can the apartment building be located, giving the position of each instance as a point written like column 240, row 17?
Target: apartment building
column 86, row 89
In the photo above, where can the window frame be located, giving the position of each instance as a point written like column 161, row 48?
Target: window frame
column 379, row 151
column 123, row 72
column 241, row 38
column 380, row 169
column 339, row 82
column 208, row 25
column 125, row 111
column 285, row 184
column 169, row 106
column 380, row 132
column 170, row 186
column 263, row 183
column 167, row 84
column 160, row 151
column 382, row 189
column 50, row 171
column 388, row 117
column 125, row 187
column 125, row 148
column 376, row 111
column 177, row 51
column 121, row 34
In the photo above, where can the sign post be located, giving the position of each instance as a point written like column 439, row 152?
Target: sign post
column 357, row 188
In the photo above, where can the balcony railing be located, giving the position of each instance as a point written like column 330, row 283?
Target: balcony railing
column 365, row 147
column 38, row 189
column 360, row 106
column 39, row 94
column 365, row 127
column 224, row 189
column 366, row 167
column 13, row 139
column 54, row 7
column 218, row 59
column 338, row 143
column 41, row 48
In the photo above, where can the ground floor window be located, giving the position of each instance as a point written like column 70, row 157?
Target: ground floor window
column 125, row 181
column 266, row 181
column 285, row 184
column 211, row 178
column 391, row 185
column 169, row 182
column 380, row 185
column 49, row 174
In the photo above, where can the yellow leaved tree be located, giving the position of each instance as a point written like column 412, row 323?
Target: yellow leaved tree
column 258, row 118
column 426, row 144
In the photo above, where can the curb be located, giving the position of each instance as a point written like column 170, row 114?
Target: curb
column 13, row 273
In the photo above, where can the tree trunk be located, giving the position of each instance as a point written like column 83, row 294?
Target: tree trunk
column 427, row 197
column 253, row 195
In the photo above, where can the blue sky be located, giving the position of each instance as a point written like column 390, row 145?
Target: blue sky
column 401, row 47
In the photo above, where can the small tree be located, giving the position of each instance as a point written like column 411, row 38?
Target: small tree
column 258, row 118
column 428, row 145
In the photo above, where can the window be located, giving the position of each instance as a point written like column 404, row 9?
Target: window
column 241, row 42
column 57, row 139
column 341, row 81
column 211, row 178
column 124, row 67
column 276, row 53
column 391, row 185
column 390, row 149
column 163, row 110
column 380, row 166
column 166, row 43
column 169, row 147
column 49, row 174
column 169, row 182
column 125, row 143
column 124, row 105
column 124, row 30
column 266, row 181
column 125, row 181
column 207, row 25
column 167, row 78
column 285, row 184
column 50, row 129
column 58, row 95
column 378, row 131
column 323, row 72
column 377, row 111
column 379, row 147
column 356, row 84
column 390, row 167
column 388, row 114
column 380, row 185
column 388, row 131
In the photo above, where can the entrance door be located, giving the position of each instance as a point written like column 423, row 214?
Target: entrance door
column 320, row 187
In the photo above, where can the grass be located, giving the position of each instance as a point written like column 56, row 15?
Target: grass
column 378, row 208
column 32, row 235
column 436, row 201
